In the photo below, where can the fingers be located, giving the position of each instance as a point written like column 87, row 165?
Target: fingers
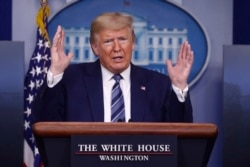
column 61, row 40
column 180, row 54
column 182, row 50
column 190, row 58
column 186, row 54
column 57, row 49
column 189, row 55
column 169, row 67
column 186, row 49
column 70, row 56
column 169, row 63
column 58, row 38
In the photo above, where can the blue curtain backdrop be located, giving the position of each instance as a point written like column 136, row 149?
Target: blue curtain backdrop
column 5, row 19
column 241, row 23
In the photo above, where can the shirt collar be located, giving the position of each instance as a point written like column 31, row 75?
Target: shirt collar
column 107, row 75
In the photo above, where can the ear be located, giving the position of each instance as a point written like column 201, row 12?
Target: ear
column 94, row 48
column 133, row 47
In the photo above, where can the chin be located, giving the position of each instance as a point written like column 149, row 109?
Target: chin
column 118, row 70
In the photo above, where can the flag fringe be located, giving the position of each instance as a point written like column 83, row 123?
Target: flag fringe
column 43, row 12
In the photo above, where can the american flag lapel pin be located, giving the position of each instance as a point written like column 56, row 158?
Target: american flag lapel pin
column 143, row 88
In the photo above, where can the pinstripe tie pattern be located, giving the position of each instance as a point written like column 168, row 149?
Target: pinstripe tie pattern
column 117, row 103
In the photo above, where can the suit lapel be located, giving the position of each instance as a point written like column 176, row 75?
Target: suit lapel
column 138, row 95
column 95, row 92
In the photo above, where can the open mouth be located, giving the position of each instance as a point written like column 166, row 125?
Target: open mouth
column 117, row 59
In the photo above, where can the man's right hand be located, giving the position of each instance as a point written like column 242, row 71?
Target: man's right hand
column 59, row 60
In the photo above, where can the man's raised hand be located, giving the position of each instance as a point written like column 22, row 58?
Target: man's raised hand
column 180, row 71
column 59, row 60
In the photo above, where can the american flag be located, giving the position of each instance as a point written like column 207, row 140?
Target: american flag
column 36, row 75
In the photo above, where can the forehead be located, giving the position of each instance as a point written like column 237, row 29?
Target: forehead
column 106, row 33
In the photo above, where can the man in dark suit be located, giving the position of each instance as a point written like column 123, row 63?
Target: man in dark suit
column 82, row 92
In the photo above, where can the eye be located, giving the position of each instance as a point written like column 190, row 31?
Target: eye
column 122, row 39
column 108, row 41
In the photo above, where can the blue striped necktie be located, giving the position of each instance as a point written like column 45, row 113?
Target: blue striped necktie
column 117, row 103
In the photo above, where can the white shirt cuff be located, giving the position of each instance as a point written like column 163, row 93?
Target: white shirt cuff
column 53, row 80
column 181, row 94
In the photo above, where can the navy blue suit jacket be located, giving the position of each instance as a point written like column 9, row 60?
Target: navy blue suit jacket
column 79, row 97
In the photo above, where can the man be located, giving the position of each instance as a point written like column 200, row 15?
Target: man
column 82, row 92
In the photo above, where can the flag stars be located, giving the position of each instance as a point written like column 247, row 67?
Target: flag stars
column 38, row 57
column 38, row 70
column 32, row 139
column 33, row 72
column 38, row 83
column 28, row 111
column 31, row 85
column 46, row 44
column 26, row 125
column 30, row 98
column 40, row 43
column 45, row 57
column 36, row 152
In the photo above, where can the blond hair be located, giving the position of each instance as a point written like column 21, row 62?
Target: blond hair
column 111, row 21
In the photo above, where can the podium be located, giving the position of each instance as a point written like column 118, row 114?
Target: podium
column 195, row 141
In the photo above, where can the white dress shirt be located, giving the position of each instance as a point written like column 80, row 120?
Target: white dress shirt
column 108, row 83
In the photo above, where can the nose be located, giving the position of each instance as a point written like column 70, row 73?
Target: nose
column 117, row 46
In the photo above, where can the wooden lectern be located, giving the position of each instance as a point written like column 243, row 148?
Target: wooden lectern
column 195, row 141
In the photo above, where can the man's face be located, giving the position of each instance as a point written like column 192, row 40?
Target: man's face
column 114, row 49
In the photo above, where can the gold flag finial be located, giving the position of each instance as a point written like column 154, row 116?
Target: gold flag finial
column 44, row 2
column 42, row 15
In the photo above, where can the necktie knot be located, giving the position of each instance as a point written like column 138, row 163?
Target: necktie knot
column 117, row 78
